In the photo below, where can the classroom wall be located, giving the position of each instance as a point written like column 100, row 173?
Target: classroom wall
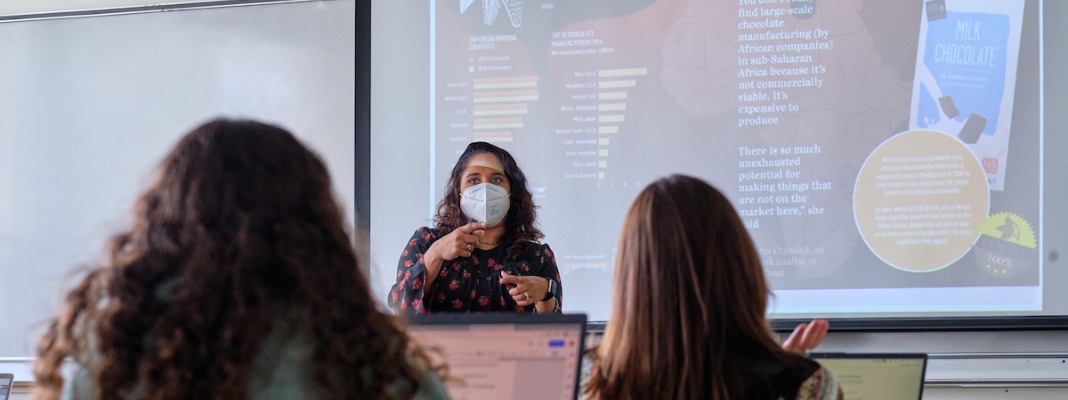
column 22, row 389
column 16, row 7
column 331, row 74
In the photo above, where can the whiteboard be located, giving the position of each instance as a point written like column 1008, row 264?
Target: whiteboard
column 90, row 104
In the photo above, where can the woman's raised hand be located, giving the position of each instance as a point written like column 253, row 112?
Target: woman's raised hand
column 806, row 337
column 461, row 241
column 525, row 290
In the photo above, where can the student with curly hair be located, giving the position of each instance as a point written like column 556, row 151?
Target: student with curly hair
column 235, row 280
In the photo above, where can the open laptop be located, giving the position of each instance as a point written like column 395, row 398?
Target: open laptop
column 506, row 355
column 6, row 381
column 877, row 376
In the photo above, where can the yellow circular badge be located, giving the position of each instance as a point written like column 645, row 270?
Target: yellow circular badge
column 919, row 200
column 1007, row 245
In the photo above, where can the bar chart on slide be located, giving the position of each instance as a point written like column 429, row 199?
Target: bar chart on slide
column 500, row 106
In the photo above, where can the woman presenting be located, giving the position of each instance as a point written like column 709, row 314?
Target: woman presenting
column 483, row 253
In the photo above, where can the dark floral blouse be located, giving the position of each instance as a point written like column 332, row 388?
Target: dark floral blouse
column 466, row 284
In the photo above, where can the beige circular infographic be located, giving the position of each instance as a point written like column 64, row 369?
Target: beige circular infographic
column 919, row 200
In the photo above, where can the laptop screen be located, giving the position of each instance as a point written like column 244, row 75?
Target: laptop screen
column 505, row 355
column 6, row 380
column 877, row 376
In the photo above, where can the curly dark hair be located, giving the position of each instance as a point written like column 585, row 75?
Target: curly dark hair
column 520, row 226
column 238, row 233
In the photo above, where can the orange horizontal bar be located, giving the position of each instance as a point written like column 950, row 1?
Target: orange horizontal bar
column 503, row 93
column 528, row 78
column 512, row 106
column 497, row 120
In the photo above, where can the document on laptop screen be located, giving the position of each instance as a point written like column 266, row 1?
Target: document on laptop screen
column 504, row 361
column 6, row 380
column 877, row 378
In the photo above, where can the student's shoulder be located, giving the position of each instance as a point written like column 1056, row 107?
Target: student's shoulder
column 778, row 379
column 430, row 386
column 822, row 384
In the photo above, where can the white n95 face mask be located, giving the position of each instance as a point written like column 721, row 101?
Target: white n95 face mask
column 485, row 202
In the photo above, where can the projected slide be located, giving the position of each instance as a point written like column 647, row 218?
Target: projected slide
column 885, row 155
